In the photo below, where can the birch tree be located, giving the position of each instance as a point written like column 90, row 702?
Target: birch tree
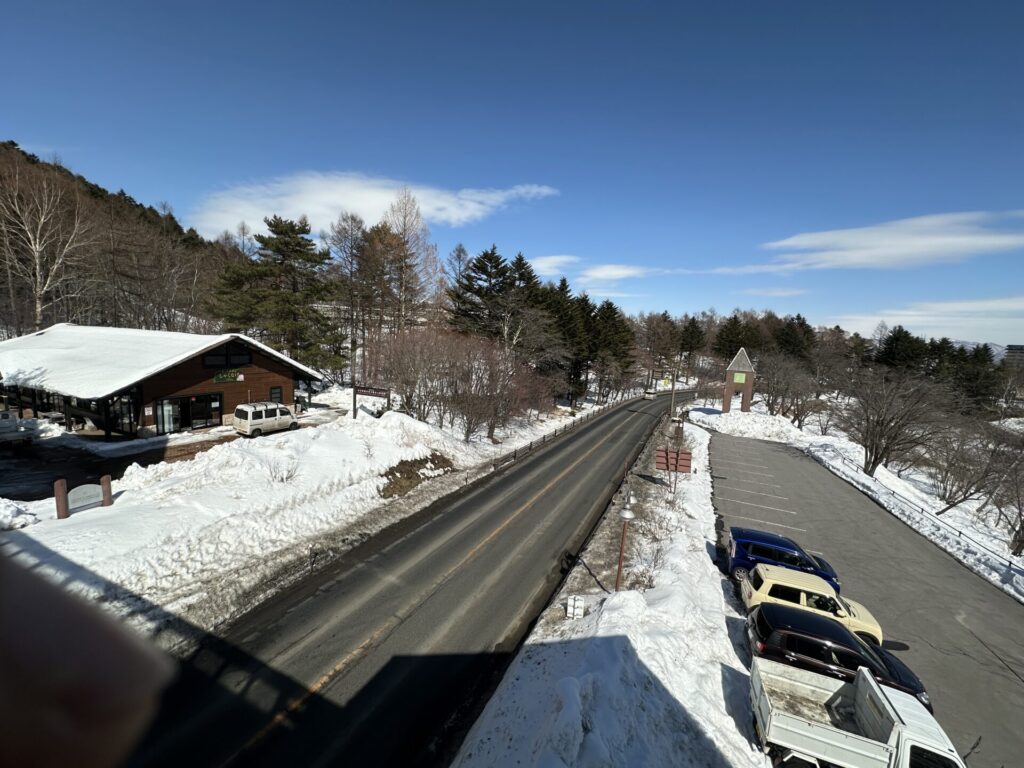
column 44, row 233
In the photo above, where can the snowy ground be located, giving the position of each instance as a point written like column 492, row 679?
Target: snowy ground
column 965, row 532
column 649, row 678
column 204, row 539
column 1013, row 425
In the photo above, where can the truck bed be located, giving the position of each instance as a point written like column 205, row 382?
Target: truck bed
column 843, row 723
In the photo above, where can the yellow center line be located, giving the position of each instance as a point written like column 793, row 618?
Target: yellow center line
column 296, row 703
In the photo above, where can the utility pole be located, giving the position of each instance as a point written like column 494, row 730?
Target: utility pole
column 672, row 404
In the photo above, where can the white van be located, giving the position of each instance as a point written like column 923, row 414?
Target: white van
column 253, row 419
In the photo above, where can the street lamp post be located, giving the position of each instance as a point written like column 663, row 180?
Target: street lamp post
column 625, row 515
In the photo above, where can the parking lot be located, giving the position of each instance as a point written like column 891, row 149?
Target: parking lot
column 960, row 634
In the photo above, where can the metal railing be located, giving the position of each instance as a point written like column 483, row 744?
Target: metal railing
column 513, row 456
column 884, row 490
column 517, row 453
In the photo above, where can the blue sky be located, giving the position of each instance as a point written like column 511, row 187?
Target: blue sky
column 851, row 161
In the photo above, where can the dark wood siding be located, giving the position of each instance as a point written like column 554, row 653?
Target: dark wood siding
column 191, row 378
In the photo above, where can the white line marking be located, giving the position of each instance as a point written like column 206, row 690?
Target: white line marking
column 756, row 493
column 759, row 506
column 747, row 471
column 743, row 463
column 768, row 522
column 750, row 482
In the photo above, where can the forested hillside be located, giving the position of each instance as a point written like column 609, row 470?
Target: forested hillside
column 71, row 251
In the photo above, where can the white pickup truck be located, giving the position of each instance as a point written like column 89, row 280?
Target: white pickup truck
column 806, row 719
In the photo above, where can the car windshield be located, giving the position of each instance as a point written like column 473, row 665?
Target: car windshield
column 870, row 654
column 241, row 414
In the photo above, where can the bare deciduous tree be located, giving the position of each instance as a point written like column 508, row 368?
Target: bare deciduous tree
column 44, row 232
column 891, row 414
column 966, row 461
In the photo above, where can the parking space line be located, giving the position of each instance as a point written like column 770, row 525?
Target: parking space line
column 755, row 493
column 759, row 506
column 743, row 463
column 750, row 482
column 747, row 471
column 769, row 522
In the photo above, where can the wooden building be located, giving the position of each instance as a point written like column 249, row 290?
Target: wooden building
column 143, row 383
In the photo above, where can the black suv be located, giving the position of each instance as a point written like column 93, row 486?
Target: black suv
column 819, row 644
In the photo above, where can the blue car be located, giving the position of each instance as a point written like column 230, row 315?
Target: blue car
column 748, row 547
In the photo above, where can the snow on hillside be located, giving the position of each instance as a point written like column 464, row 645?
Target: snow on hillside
column 201, row 538
column 647, row 678
column 911, row 498
column 998, row 350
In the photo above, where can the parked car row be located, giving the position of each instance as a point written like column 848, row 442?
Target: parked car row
column 795, row 614
column 797, row 618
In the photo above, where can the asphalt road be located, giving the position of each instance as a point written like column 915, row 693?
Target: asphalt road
column 961, row 635
column 385, row 657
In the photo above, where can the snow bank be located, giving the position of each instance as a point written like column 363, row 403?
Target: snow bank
column 648, row 678
column 964, row 531
column 200, row 539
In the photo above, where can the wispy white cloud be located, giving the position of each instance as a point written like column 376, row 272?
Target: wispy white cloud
column 915, row 242
column 997, row 320
column 610, row 293
column 322, row 196
column 552, row 266
column 614, row 272
column 775, row 292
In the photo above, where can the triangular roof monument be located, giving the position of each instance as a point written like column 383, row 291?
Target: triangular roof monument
column 741, row 362
column 739, row 376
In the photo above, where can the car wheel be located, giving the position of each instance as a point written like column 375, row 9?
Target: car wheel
column 293, row 425
column 869, row 639
column 256, row 433
column 740, row 575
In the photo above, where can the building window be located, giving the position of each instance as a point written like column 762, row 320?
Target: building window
column 275, row 395
column 231, row 355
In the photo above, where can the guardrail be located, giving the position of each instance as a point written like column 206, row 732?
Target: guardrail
column 931, row 516
column 514, row 455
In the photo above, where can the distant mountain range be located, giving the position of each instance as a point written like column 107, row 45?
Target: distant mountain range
column 998, row 350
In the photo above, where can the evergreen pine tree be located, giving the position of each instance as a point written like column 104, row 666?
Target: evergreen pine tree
column 692, row 339
column 730, row 337
column 902, row 349
column 274, row 295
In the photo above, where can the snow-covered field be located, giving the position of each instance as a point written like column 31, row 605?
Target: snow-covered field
column 201, row 539
column 910, row 498
column 646, row 678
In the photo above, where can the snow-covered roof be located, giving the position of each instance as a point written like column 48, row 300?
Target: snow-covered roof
column 741, row 362
column 91, row 362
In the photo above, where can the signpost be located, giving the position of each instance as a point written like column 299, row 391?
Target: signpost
column 673, row 462
column 81, row 497
column 384, row 392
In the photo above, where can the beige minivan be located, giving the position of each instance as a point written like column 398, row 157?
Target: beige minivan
column 773, row 584
column 255, row 419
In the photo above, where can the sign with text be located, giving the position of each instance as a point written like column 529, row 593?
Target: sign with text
column 574, row 607
column 85, row 497
column 374, row 392
column 672, row 460
column 232, row 374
